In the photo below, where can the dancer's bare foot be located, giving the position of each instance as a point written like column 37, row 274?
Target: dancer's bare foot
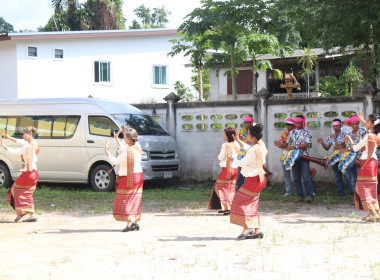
column 366, row 217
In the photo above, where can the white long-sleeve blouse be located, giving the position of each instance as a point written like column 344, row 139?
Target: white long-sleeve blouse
column 122, row 160
column 223, row 156
column 248, row 163
column 23, row 151
column 364, row 143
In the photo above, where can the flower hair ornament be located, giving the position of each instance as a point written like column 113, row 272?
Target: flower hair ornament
column 376, row 122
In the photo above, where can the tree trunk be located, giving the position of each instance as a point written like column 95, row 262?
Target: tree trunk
column 254, row 79
column 233, row 78
column 308, row 83
column 200, row 83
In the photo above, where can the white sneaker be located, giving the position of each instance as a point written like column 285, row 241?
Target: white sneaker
column 288, row 194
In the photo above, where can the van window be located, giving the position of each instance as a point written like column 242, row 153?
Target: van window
column 59, row 124
column 144, row 124
column 3, row 125
column 100, row 125
column 71, row 126
column 26, row 121
column 11, row 127
column 44, row 125
column 48, row 127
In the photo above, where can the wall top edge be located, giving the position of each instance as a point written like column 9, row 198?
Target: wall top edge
column 315, row 100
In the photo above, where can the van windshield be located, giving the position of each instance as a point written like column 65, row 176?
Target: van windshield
column 144, row 124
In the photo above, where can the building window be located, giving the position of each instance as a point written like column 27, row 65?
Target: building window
column 102, row 72
column 58, row 53
column 32, row 51
column 160, row 77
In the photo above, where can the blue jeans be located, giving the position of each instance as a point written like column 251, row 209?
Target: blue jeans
column 288, row 180
column 354, row 175
column 301, row 169
column 240, row 179
column 339, row 180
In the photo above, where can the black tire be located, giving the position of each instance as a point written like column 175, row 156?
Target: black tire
column 5, row 176
column 100, row 180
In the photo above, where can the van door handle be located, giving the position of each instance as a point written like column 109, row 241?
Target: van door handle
column 90, row 141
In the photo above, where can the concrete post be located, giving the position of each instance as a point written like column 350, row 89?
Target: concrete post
column 262, row 111
column 368, row 91
column 171, row 113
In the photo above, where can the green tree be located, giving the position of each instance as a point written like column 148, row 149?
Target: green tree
column 5, row 27
column 183, row 92
column 352, row 77
column 282, row 26
column 349, row 25
column 195, row 47
column 204, row 81
column 70, row 15
column 257, row 44
column 307, row 62
column 158, row 18
column 223, row 23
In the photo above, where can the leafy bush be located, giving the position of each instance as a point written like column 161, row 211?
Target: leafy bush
column 183, row 92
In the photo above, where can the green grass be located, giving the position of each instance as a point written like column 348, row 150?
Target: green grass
column 74, row 198
column 163, row 196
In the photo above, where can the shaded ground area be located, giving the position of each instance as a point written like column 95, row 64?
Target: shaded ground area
column 309, row 243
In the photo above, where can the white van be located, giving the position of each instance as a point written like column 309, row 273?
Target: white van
column 71, row 133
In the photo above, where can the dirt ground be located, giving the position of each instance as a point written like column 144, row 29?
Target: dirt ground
column 312, row 243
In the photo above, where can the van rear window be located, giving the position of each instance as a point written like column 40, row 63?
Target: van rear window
column 48, row 127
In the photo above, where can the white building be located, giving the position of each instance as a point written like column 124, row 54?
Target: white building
column 127, row 65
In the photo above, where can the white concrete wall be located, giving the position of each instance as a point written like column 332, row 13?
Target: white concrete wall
column 8, row 71
column 132, row 59
column 198, row 149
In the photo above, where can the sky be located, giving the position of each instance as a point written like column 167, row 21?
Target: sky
column 30, row 14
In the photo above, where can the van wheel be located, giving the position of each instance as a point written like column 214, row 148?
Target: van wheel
column 101, row 181
column 5, row 176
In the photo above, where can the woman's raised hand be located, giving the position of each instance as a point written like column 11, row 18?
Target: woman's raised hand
column 116, row 135
column 107, row 146
column 360, row 115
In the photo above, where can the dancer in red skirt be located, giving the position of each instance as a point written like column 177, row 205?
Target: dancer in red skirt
column 244, row 209
column 224, row 188
column 127, row 205
column 366, row 185
column 20, row 196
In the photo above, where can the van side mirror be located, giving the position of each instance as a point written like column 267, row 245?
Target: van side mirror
column 114, row 131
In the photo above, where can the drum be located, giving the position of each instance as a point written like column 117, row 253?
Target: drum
column 290, row 158
column 347, row 161
column 333, row 157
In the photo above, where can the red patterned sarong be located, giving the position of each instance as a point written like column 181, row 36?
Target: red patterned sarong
column 224, row 190
column 127, row 205
column 244, row 209
column 366, row 187
column 20, row 196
